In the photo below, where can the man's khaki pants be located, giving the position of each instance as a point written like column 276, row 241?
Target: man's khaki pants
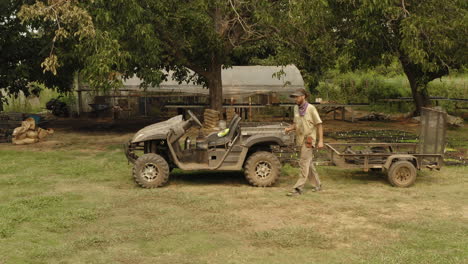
column 307, row 169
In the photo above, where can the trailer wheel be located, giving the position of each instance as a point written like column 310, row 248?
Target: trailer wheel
column 262, row 169
column 402, row 174
column 151, row 171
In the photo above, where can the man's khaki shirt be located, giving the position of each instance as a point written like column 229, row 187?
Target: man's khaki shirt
column 306, row 125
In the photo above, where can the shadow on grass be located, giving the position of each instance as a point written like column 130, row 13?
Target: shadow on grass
column 353, row 176
column 208, row 177
column 371, row 176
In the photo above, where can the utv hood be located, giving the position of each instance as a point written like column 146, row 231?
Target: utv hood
column 158, row 130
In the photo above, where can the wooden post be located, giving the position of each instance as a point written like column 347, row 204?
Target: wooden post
column 366, row 163
column 1, row 101
column 343, row 113
column 343, row 90
column 250, row 108
column 76, row 87
column 146, row 113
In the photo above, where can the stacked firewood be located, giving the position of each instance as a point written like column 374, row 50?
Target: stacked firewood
column 29, row 133
column 211, row 118
column 230, row 112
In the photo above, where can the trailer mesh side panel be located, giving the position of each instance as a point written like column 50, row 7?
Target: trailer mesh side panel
column 432, row 134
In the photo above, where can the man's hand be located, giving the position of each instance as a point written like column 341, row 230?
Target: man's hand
column 289, row 129
column 320, row 145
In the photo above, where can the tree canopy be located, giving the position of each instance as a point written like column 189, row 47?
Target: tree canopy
column 110, row 40
column 24, row 47
column 428, row 37
column 142, row 37
column 305, row 37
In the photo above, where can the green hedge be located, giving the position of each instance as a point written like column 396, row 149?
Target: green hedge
column 371, row 87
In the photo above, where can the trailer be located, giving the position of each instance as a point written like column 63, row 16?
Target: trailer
column 401, row 161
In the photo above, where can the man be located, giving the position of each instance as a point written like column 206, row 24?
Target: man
column 307, row 125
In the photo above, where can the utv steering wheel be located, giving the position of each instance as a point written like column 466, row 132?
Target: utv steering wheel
column 194, row 118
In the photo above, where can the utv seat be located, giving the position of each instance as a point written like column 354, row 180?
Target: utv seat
column 213, row 140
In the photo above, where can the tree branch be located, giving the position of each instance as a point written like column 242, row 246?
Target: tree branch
column 239, row 18
column 405, row 11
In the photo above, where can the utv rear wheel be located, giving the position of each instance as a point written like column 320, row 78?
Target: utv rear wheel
column 402, row 174
column 262, row 169
column 151, row 171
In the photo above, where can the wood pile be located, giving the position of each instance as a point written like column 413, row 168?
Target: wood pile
column 230, row 112
column 29, row 132
column 211, row 118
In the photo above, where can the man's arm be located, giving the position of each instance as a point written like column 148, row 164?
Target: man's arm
column 290, row 128
column 320, row 135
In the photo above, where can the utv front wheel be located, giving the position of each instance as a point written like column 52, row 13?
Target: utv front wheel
column 262, row 169
column 151, row 171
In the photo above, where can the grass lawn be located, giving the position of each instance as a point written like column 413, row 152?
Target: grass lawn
column 71, row 200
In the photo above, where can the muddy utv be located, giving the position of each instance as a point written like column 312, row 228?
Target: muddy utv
column 157, row 149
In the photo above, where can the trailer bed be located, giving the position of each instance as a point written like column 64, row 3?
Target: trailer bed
column 376, row 155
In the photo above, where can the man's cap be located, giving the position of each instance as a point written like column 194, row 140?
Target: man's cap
column 299, row 92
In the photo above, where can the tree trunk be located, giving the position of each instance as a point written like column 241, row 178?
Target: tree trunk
column 419, row 92
column 215, row 83
column 418, row 79
column 215, row 87
column 418, row 82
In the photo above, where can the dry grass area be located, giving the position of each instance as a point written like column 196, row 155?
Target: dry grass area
column 71, row 199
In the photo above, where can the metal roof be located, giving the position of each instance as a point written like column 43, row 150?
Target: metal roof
column 237, row 80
